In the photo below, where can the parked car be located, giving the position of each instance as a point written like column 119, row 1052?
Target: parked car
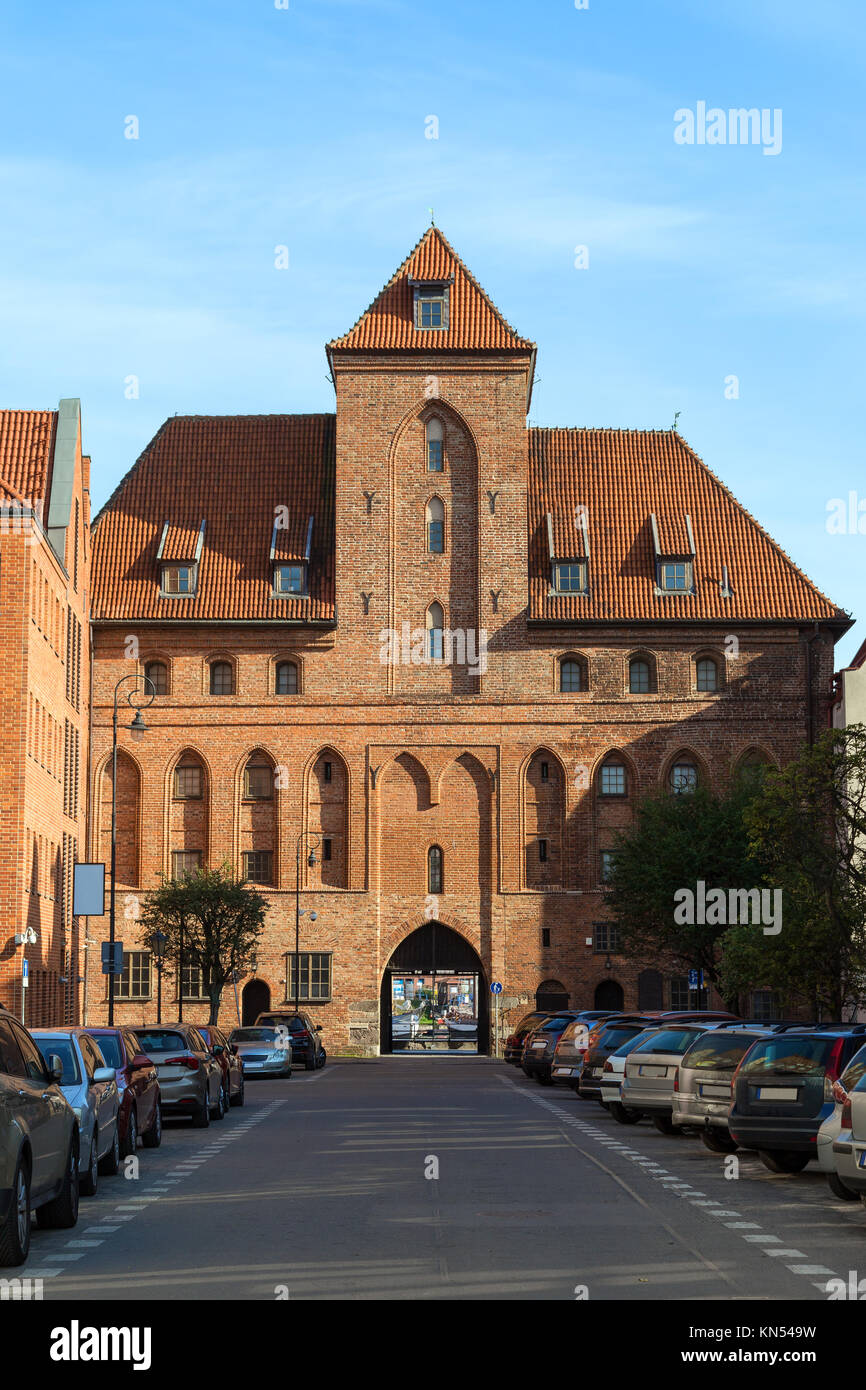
column 610, row 1081
column 704, row 1084
column 831, row 1130
column 137, row 1087
column 602, row 1041
column 307, row 1046
column 569, row 1051
column 783, row 1092
column 90, row 1088
column 850, row 1148
column 190, row 1077
column 262, row 1051
column 539, row 1043
column 39, row 1142
column 513, row 1050
column 651, row 1070
column 230, row 1063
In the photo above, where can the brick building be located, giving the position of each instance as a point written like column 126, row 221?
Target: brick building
column 44, row 702
column 445, row 650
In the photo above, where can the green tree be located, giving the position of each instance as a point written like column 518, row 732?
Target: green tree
column 675, row 842
column 807, row 827
column 216, row 917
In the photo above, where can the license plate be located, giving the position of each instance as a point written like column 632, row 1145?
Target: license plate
column 540, row 1045
column 562, row 1071
column 777, row 1093
column 861, row 1162
column 597, row 1071
column 716, row 1092
column 652, row 1071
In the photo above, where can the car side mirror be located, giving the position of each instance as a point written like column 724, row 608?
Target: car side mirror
column 55, row 1069
column 318, row 1027
column 139, row 1061
column 103, row 1074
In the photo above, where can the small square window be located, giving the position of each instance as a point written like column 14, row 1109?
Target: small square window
column 431, row 309
column 570, row 578
column 185, row 861
column 258, row 866
column 290, row 579
column 675, row 576
column 707, row 675
column 178, row 579
column 613, row 781
column 187, row 782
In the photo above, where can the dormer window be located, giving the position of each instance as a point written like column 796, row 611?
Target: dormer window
column 674, row 546
column 290, row 579
column 570, row 577
column 675, row 576
column 178, row 580
column 431, row 303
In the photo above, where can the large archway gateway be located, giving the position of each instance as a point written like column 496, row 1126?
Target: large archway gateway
column 434, row 995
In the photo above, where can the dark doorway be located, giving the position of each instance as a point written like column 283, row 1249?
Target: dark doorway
column 650, row 990
column 255, row 1000
column 551, row 995
column 434, row 995
column 608, row 995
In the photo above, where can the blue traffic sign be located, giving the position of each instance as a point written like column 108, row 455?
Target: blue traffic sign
column 693, row 979
column 496, row 987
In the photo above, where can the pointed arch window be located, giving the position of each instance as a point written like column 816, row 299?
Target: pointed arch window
column 221, row 678
column 435, row 442
column 157, row 673
column 683, row 776
column 435, row 526
column 614, row 779
column 258, row 779
column 435, row 632
column 434, row 869
column 286, row 678
column 707, row 674
column 639, row 676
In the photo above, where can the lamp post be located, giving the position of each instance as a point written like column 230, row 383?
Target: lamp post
column 137, row 728
column 311, row 860
column 157, row 943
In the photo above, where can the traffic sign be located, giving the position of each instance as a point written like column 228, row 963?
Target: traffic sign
column 25, row 973
column 112, row 958
column 693, row 979
column 496, row 987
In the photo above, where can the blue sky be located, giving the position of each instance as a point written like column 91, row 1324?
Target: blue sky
column 305, row 127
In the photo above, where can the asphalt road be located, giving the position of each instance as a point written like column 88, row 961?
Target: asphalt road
column 319, row 1189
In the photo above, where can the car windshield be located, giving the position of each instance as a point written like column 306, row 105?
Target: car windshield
column 628, row 1047
column 855, row 1070
column 253, row 1035
column 554, row 1025
column 719, row 1051
column 62, row 1048
column 789, row 1056
column 294, row 1025
column 161, row 1040
column 612, row 1037
column 674, row 1040
column 577, row 1028
column 111, row 1048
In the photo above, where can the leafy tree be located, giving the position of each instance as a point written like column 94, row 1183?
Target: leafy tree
column 676, row 841
column 808, row 828
column 216, row 918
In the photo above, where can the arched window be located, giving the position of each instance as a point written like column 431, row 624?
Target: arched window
column 259, row 779
column 188, row 780
column 286, row 678
column 707, row 674
column 613, row 779
column 571, row 676
column 435, row 526
column 435, row 438
column 683, row 776
column 435, row 631
column 434, row 869
column 157, row 673
column 639, row 676
column 221, row 678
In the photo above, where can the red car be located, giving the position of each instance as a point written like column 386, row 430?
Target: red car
column 137, row 1085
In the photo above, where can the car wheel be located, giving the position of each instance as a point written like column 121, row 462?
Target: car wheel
column 718, row 1143
column 131, row 1142
column 838, row 1188
column 110, row 1162
column 664, row 1124
column 15, row 1231
column 239, row 1098
column 624, row 1113
column 220, row 1105
column 152, row 1138
column 323, row 1058
column 783, row 1160
column 201, row 1114
column 544, row 1078
column 309, row 1064
column 62, row 1213
column 89, row 1180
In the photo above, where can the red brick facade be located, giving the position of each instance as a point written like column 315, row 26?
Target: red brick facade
column 484, row 761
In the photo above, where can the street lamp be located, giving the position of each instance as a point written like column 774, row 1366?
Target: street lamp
column 137, row 699
column 157, row 943
column 311, row 861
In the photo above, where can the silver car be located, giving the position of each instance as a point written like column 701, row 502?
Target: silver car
column 263, row 1051
column 849, row 1150
column 831, row 1129
column 651, row 1070
column 91, row 1089
column 704, row 1083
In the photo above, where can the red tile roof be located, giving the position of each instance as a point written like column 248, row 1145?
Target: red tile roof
column 236, row 472
column 179, row 541
column 474, row 320
column 621, row 478
column 26, row 451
